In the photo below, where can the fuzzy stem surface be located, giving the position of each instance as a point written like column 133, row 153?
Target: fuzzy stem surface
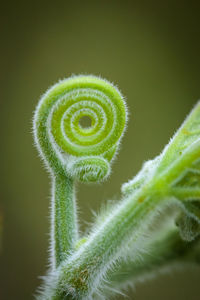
column 64, row 222
column 80, row 275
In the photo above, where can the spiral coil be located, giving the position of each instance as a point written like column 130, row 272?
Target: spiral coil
column 85, row 153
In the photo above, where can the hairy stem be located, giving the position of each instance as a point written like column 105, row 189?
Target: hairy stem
column 64, row 223
column 80, row 275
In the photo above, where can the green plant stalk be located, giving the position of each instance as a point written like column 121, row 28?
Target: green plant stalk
column 64, row 223
column 80, row 275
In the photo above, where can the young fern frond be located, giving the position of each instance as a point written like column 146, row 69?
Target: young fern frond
column 67, row 147
column 73, row 152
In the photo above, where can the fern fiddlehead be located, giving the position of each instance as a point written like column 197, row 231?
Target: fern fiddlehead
column 72, row 152
column 66, row 146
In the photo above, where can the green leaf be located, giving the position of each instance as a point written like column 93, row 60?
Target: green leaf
column 187, row 134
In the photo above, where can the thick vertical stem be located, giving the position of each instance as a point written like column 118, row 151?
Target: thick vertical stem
column 64, row 221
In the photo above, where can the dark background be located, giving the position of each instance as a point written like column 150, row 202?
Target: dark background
column 151, row 50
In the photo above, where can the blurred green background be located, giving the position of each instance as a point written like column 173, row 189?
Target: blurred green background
column 151, row 50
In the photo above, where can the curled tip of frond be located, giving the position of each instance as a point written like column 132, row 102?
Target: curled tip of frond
column 89, row 169
column 60, row 136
